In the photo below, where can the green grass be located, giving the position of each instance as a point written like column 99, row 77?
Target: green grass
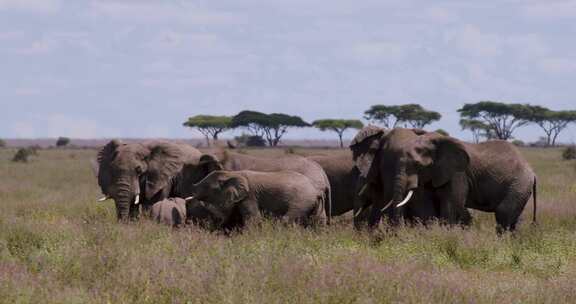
column 57, row 245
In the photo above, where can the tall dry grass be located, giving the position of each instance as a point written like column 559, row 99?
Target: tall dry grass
column 57, row 245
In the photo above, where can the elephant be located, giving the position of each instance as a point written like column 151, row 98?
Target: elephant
column 133, row 173
column 345, row 183
column 240, row 197
column 170, row 211
column 491, row 176
column 232, row 161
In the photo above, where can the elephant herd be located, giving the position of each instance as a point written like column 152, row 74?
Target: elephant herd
column 403, row 174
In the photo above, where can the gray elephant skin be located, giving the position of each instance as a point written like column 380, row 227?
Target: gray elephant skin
column 169, row 211
column 345, row 184
column 240, row 197
column 232, row 161
column 491, row 176
column 133, row 173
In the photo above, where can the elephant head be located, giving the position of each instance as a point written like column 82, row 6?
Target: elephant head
column 193, row 173
column 432, row 159
column 130, row 173
column 386, row 161
column 221, row 190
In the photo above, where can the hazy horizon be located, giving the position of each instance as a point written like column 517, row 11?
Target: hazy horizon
column 137, row 69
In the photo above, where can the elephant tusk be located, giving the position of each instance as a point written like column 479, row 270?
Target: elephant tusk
column 137, row 199
column 387, row 206
column 104, row 198
column 408, row 197
column 359, row 211
column 362, row 190
column 189, row 198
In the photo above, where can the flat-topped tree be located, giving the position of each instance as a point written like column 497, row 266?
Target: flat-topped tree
column 338, row 125
column 551, row 122
column 502, row 119
column 210, row 126
column 477, row 128
column 270, row 126
column 416, row 116
column 384, row 115
column 413, row 115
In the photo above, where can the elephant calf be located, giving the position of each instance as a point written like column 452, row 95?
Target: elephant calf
column 238, row 197
column 170, row 211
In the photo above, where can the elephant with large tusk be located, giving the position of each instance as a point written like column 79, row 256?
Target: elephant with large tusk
column 491, row 176
column 134, row 174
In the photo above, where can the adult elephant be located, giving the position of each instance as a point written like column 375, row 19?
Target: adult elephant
column 491, row 176
column 345, row 184
column 232, row 161
column 133, row 173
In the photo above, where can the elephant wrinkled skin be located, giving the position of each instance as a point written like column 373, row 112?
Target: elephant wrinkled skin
column 345, row 184
column 231, row 161
column 491, row 176
column 240, row 197
column 170, row 211
column 133, row 173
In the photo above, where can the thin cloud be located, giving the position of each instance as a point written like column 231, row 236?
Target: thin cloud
column 37, row 6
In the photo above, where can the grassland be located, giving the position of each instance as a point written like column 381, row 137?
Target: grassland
column 57, row 245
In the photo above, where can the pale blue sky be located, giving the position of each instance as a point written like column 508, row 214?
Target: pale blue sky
column 120, row 68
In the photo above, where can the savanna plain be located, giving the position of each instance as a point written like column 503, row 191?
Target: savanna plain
column 58, row 245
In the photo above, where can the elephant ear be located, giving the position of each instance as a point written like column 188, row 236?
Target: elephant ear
column 235, row 189
column 364, row 147
column 209, row 163
column 165, row 161
column 105, row 157
column 449, row 157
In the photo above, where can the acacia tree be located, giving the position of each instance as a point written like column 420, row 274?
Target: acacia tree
column 416, row 116
column 501, row 119
column 413, row 115
column 270, row 126
column 385, row 115
column 337, row 125
column 477, row 128
column 210, row 126
column 551, row 122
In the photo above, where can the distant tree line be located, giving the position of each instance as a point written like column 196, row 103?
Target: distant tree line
column 484, row 119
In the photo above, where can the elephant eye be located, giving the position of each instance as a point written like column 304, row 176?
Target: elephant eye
column 139, row 170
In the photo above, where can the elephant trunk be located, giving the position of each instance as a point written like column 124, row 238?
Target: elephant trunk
column 124, row 198
column 400, row 184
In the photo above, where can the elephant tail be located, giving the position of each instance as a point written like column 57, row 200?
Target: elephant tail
column 328, row 203
column 534, row 187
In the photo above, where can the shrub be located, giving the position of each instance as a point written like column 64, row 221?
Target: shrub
column 23, row 154
column 250, row 140
column 2, row 144
column 62, row 141
column 569, row 153
column 518, row 143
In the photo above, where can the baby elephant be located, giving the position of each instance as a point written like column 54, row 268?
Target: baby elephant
column 170, row 211
column 238, row 197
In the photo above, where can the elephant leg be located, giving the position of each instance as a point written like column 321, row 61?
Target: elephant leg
column 375, row 216
column 134, row 211
column 249, row 213
column 362, row 207
column 452, row 201
column 423, row 209
column 509, row 210
column 147, row 209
